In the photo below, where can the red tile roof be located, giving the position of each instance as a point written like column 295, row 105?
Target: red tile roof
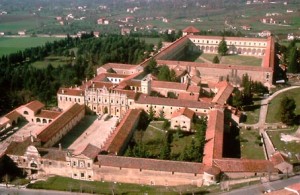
column 13, row 115
column 91, row 151
column 121, row 134
column 71, row 91
column 168, row 85
column 35, row 105
column 229, row 38
column 58, row 124
column 118, row 66
column 213, row 66
column 294, row 188
column 191, row 29
column 244, row 165
column 193, row 89
column 188, row 96
column 213, row 148
column 277, row 158
column 150, row 164
column 144, row 99
column 53, row 154
column 224, row 92
column 18, row 148
column 48, row 114
column 184, row 111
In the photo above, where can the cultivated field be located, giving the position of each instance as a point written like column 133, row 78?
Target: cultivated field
column 11, row 45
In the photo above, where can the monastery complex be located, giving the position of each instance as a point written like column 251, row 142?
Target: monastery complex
column 123, row 91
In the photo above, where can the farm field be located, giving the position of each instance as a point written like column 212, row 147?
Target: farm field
column 11, row 45
column 55, row 61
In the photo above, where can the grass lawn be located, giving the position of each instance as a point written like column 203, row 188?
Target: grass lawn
column 55, row 61
column 98, row 187
column 208, row 56
column 241, row 60
column 11, row 45
column 250, row 148
column 292, row 147
column 252, row 112
column 153, row 139
column 70, row 137
column 273, row 115
column 234, row 59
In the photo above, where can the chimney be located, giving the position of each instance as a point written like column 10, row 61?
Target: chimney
column 59, row 146
column 63, row 91
column 31, row 138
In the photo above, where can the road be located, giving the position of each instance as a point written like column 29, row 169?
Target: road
column 23, row 191
column 259, row 188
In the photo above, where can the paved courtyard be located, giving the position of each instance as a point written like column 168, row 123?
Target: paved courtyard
column 96, row 134
column 20, row 134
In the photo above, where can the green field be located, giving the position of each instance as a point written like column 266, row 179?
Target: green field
column 250, row 147
column 55, row 61
column 98, row 187
column 11, row 45
column 273, row 115
column 153, row 139
column 234, row 59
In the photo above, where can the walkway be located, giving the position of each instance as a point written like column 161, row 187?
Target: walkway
column 96, row 134
column 269, row 148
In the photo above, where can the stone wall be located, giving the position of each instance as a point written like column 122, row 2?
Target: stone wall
column 146, row 177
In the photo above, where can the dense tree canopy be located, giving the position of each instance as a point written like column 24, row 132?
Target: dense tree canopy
column 222, row 49
column 21, row 82
column 287, row 110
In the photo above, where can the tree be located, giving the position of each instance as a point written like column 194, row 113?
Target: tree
column 164, row 73
column 237, row 100
column 293, row 65
column 222, row 49
column 152, row 67
column 165, row 153
column 159, row 45
column 151, row 113
column 216, row 60
column 287, row 109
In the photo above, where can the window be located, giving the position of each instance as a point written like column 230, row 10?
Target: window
column 25, row 112
column 74, row 163
column 90, row 177
column 88, row 164
column 50, row 163
column 60, row 98
column 82, row 174
column 75, row 175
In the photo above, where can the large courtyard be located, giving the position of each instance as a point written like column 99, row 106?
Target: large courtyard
column 91, row 130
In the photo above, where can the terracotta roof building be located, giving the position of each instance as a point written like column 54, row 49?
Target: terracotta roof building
column 60, row 126
column 213, row 148
column 190, row 30
column 120, row 137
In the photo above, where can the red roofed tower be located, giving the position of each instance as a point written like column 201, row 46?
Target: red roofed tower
column 190, row 30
